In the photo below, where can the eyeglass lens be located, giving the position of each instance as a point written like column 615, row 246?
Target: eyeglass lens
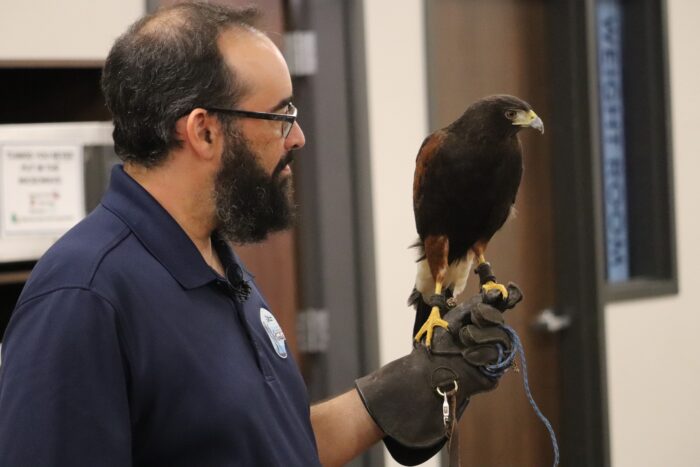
column 287, row 126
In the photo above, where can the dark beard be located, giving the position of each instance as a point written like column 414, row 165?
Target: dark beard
column 250, row 204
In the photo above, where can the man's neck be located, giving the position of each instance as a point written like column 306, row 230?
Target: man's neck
column 214, row 261
column 186, row 199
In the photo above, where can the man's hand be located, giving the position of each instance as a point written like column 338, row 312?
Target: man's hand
column 402, row 397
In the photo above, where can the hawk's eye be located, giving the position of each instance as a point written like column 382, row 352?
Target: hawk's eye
column 510, row 114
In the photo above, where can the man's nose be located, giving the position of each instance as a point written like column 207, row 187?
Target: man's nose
column 296, row 138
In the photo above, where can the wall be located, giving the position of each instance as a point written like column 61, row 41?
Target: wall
column 397, row 110
column 653, row 361
column 76, row 30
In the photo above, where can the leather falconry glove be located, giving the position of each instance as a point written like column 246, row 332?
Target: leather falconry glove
column 402, row 397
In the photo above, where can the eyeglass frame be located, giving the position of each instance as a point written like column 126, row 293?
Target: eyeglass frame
column 287, row 118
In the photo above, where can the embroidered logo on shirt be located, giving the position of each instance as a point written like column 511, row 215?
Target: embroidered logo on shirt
column 274, row 331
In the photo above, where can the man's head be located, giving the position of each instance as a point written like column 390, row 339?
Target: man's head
column 165, row 65
column 171, row 81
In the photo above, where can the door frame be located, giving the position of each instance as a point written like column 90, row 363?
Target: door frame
column 579, row 261
column 582, row 288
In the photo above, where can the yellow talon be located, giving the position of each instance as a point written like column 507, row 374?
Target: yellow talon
column 433, row 320
column 490, row 285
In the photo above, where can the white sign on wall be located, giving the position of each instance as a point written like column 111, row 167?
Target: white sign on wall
column 42, row 189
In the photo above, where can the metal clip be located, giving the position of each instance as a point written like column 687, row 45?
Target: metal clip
column 445, row 402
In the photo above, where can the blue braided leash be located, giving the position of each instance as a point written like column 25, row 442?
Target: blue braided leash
column 505, row 361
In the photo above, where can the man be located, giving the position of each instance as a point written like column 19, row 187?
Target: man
column 140, row 339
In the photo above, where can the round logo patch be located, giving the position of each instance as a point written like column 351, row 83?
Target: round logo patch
column 274, row 331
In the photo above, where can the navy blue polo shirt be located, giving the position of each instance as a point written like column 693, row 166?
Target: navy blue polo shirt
column 125, row 348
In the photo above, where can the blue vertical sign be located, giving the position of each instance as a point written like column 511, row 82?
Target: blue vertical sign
column 612, row 121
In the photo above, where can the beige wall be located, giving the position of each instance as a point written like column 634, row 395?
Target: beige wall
column 397, row 107
column 398, row 124
column 75, row 30
column 653, row 346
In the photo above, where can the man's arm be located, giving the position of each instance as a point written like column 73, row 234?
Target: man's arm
column 343, row 428
column 63, row 398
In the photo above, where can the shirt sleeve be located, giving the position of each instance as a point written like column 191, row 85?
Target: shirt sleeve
column 63, row 384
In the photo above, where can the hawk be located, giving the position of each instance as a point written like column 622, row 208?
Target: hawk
column 465, row 183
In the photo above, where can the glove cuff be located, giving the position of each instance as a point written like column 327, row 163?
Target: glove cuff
column 402, row 400
column 412, row 418
column 404, row 455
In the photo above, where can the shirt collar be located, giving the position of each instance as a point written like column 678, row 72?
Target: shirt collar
column 161, row 235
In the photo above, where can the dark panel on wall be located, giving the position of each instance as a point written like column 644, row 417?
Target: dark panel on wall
column 34, row 95
column 578, row 235
column 649, row 167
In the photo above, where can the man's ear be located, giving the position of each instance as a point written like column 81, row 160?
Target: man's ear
column 202, row 131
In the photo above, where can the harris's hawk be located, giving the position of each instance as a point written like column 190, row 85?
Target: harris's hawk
column 466, row 179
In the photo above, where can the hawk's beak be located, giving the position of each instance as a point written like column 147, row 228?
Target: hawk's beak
column 529, row 119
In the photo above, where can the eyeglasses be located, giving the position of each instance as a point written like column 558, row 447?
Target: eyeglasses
column 287, row 119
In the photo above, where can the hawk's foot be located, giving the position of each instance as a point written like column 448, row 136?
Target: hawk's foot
column 491, row 285
column 428, row 327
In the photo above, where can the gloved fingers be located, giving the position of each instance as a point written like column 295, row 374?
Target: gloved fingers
column 441, row 339
column 515, row 295
column 496, row 300
column 472, row 335
column 472, row 312
column 481, row 355
column 484, row 315
column 473, row 300
column 458, row 316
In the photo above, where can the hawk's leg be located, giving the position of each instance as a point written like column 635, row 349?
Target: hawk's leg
column 435, row 319
column 436, row 253
column 487, row 279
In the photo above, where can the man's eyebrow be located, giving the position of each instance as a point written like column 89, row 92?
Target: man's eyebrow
column 282, row 104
